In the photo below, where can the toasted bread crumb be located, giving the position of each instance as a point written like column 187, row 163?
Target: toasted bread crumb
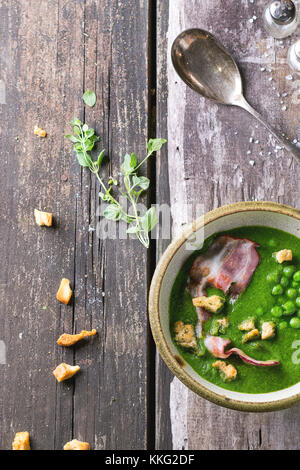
column 228, row 372
column 268, row 330
column 247, row 325
column 40, row 132
column 211, row 304
column 185, row 335
column 43, row 218
column 21, row 441
column 65, row 371
column 253, row 334
column 219, row 326
column 68, row 340
column 77, row 445
column 284, row 255
column 64, row 292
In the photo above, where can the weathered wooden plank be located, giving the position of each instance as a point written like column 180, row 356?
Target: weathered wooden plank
column 163, row 375
column 36, row 66
column 53, row 53
column 209, row 164
column 111, row 400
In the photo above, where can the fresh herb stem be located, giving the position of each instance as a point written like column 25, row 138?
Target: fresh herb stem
column 84, row 140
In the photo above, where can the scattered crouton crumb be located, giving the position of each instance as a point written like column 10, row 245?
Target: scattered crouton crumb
column 77, row 445
column 253, row 334
column 65, row 372
column 21, row 441
column 284, row 255
column 64, row 292
column 43, row 218
column 212, row 304
column 40, row 132
column 228, row 371
column 185, row 335
column 268, row 330
column 68, row 340
column 219, row 326
column 247, row 325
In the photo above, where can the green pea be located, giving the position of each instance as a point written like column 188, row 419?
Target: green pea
column 282, row 325
column 298, row 301
column 277, row 290
column 291, row 293
column 284, row 281
column 295, row 285
column 296, row 276
column 288, row 271
column 295, row 322
column 298, row 313
column 277, row 311
column 289, row 308
column 260, row 311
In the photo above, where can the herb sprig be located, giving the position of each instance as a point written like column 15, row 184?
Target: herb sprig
column 84, row 140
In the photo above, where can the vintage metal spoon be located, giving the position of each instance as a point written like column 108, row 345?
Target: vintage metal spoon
column 204, row 64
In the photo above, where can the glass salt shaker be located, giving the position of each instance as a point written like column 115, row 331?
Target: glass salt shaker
column 294, row 57
column 281, row 18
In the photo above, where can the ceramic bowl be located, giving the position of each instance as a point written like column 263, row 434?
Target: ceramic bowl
column 225, row 218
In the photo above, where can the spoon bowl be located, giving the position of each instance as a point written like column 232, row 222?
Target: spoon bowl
column 214, row 74
column 207, row 67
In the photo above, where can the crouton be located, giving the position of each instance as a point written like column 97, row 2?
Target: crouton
column 68, row 340
column 43, row 218
column 185, row 335
column 21, row 441
column 247, row 325
column 65, row 372
column 40, row 132
column 284, row 255
column 64, row 292
column 213, row 304
column 268, row 330
column 77, row 445
column 253, row 334
column 219, row 326
column 227, row 371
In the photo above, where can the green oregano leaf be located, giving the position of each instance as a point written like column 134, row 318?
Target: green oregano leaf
column 112, row 212
column 129, row 164
column 89, row 97
column 155, row 144
column 141, row 181
column 149, row 220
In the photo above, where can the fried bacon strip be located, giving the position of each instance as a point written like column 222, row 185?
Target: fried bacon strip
column 216, row 346
column 229, row 263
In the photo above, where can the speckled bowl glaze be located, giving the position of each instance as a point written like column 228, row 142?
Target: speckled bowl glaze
column 225, row 218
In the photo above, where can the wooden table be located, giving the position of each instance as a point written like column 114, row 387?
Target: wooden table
column 124, row 397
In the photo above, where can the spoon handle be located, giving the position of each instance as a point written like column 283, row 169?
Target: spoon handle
column 285, row 143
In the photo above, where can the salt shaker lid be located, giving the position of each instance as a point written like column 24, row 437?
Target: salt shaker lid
column 283, row 12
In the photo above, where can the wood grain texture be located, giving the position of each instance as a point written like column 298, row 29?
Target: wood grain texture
column 209, row 164
column 163, row 374
column 52, row 53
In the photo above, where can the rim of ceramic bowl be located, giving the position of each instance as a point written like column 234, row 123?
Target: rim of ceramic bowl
column 154, row 313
